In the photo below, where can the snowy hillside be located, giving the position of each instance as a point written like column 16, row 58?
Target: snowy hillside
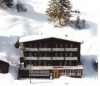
column 14, row 25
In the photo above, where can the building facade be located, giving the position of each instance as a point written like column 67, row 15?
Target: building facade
column 49, row 58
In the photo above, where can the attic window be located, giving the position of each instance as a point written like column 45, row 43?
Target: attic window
column 56, row 45
column 71, row 45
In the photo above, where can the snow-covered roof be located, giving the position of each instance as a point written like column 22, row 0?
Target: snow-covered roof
column 38, row 37
column 3, row 58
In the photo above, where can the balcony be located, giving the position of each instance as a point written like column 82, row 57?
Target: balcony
column 71, row 49
column 57, row 49
column 70, row 58
column 31, row 58
column 44, row 58
column 44, row 49
column 57, row 58
column 31, row 49
column 58, row 67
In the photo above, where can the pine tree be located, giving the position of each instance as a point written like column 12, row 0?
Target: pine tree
column 77, row 24
column 59, row 11
column 84, row 24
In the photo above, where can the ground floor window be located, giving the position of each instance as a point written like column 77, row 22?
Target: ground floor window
column 39, row 73
column 71, row 72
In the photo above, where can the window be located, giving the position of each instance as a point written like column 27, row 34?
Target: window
column 70, row 63
column 56, row 45
column 35, row 54
column 56, row 54
column 44, row 63
column 71, row 45
column 66, row 54
column 66, row 45
column 34, row 63
column 65, row 63
column 45, row 45
column 61, row 45
column 35, row 45
column 70, row 54
column 40, row 45
column 45, row 54
column 60, row 63
column 40, row 54
column 30, row 54
column 30, row 45
column 61, row 54
column 39, row 63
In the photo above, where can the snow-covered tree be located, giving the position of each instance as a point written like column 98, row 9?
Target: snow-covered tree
column 59, row 11
column 8, row 3
column 2, row 5
column 77, row 24
column 20, row 7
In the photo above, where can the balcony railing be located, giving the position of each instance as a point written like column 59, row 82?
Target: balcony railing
column 71, row 49
column 57, row 49
column 44, row 58
column 70, row 58
column 36, row 58
column 49, row 58
column 31, row 58
column 44, row 49
column 49, row 49
column 31, row 49
column 57, row 58
column 78, row 67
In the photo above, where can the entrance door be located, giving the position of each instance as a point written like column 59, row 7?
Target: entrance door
column 55, row 74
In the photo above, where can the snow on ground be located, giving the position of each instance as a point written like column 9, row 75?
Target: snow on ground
column 14, row 25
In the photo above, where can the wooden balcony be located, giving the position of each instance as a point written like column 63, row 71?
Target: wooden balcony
column 70, row 58
column 57, row 58
column 44, row 49
column 57, row 49
column 71, row 49
column 31, row 49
